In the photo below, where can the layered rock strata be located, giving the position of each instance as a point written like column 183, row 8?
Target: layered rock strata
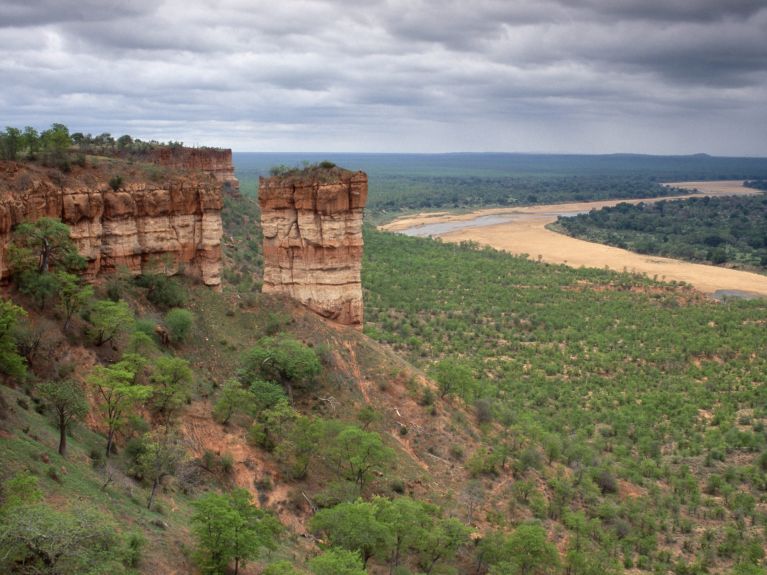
column 312, row 224
column 213, row 161
column 169, row 227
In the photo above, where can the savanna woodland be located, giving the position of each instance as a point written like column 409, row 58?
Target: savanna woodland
column 498, row 415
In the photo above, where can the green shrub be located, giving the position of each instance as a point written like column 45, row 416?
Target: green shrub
column 163, row 291
column 179, row 323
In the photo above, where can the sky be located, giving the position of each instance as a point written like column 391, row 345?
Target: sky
column 573, row 76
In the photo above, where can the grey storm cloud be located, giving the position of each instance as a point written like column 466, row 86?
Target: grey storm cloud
column 665, row 76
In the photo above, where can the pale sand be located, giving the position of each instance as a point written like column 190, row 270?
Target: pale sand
column 530, row 236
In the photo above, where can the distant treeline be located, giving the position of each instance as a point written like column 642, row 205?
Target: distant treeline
column 430, row 192
column 729, row 230
column 756, row 184
column 439, row 181
column 58, row 147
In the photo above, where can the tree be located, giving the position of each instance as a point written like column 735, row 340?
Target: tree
column 171, row 378
column 55, row 143
column 337, row 562
column 179, row 323
column 116, row 386
column 228, row 527
column 108, row 319
column 10, row 143
column 69, row 404
column 46, row 242
column 282, row 359
column 30, row 141
column 529, row 553
column 406, row 519
column 280, row 568
column 72, row 295
column 231, row 399
column 441, row 542
column 11, row 363
column 354, row 526
column 299, row 444
column 41, row 540
column 453, row 377
column 355, row 454
column 159, row 459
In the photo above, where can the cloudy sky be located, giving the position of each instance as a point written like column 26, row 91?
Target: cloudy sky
column 593, row 76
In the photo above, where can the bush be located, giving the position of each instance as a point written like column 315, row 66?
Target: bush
column 179, row 323
column 115, row 182
column 163, row 291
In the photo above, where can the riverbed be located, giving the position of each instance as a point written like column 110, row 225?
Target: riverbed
column 523, row 231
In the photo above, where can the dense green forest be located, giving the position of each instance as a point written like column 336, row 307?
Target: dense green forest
column 632, row 413
column 729, row 230
column 439, row 181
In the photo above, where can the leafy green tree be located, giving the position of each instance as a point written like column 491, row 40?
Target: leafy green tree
column 453, row 377
column 265, row 395
column 37, row 539
column 229, row 528
column 30, row 141
column 42, row 244
column 109, row 319
column 115, row 385
column 337, row 562
column 529, row 553
column 171, row 379
column 272, row 425
column 163, row 291
column 159, row 459
column 69, row 404
column 299, row 445
column 406, row 520
column 356, row 454
column 280, row 568
column 440, row 542
column 56, row 139
column 232, row 398
column 11, row 363
column 179, row 323
column 10, row 143
column 282, row 359
column 354, row 526
column 72, row 295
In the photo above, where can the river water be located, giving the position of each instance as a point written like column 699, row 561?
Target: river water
column 439, row 228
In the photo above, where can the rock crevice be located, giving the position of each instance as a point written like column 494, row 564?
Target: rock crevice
column 312, row 224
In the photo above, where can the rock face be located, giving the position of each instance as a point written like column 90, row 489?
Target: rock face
column 212, row 161
column 312, row 224
column 170, row 226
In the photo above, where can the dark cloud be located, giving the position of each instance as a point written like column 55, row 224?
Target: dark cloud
column 590, row 75
column 37, row 12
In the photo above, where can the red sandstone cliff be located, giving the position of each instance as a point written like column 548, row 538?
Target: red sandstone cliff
column 169, row 225
column 212, row 161
column 312, row 224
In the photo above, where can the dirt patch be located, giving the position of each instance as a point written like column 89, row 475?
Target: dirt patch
column 529, row 235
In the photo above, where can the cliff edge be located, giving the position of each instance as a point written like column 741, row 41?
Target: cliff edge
column 312, row 223
column 160, row 217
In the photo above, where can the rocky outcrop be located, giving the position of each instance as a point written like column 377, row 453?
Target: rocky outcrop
column 170, row 226
column 214, row 161
column 312, row 223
